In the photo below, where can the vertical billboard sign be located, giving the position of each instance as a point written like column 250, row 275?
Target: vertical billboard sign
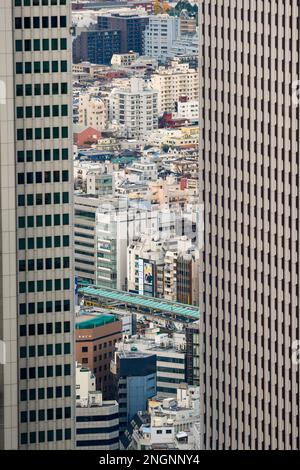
column 148, row 282
column 141, row 276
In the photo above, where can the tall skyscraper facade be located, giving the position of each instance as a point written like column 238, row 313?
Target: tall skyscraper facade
column 249, row 177
column 36, row 264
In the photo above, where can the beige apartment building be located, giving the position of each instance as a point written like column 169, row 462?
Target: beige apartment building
column 92, row 112
column 249, row 179
column 124, row 60
column 174, row 82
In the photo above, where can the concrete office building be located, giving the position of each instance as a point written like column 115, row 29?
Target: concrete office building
column 160, row 33
column 100, row 183
column 249, row 179
column 96, row 336
column 170, row 357
column 85, row 237
column 36, row 262
column 131, row 27
column 97, row 420
column 187, row 277
column 96, row 46
column 192, row 353
column 188, row 25
column 134, row 383
column 118, row 222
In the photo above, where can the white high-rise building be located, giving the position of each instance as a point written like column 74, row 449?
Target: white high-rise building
column 160, row 33
column 37, row 407
column 134, row 108
column 249, row 180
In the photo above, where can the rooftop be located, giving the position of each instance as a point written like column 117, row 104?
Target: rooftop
column 188, row 312
column 85, row 322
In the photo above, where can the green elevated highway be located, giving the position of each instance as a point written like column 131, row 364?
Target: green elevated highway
column 144, row 303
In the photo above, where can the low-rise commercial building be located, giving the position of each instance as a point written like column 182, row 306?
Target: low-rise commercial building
column 171, row 422
column 96, row 337
column 124, row 60
column 171, row 360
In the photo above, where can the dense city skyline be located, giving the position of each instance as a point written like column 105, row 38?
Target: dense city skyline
column 149, row 217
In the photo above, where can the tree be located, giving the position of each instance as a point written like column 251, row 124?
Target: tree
column 157, row 7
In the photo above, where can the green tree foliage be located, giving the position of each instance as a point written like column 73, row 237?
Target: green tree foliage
column 184, row 5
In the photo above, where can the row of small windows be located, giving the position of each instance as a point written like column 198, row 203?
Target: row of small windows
column 41, row 67
column 40, row 199
column 31, row 308
column 97, row 430
column 48, row 371
column 40, row 264
column 40, row 437
column 44, row 286
column 43, row 221
column 42, row 111
column 44, row 242
column 45, row 155
column 42, row 350
column 83, row 261
column 36, row 3
column 41, row 393
column 42, row 89
column 43, row 177
column 97, row 442
column 37, row 45
column 48, row 328
column 36, row 22
column 41, row 415
column 43, row 133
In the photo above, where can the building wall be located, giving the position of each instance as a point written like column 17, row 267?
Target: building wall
column 170, row 371
column 8, row 292
column 135, row 109
column 249, row 178
column 84, row 238
column 95, row 348
column 131, row 31
column 92, row 112
column 192, row 354
column 172, row 83
column 188, row 109
column 97, row 428
column 97, row 47
column 43, row 243
column 160, row 34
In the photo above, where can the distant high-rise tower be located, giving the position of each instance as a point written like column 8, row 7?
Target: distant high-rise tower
column 249, row 177
column 36, row 263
